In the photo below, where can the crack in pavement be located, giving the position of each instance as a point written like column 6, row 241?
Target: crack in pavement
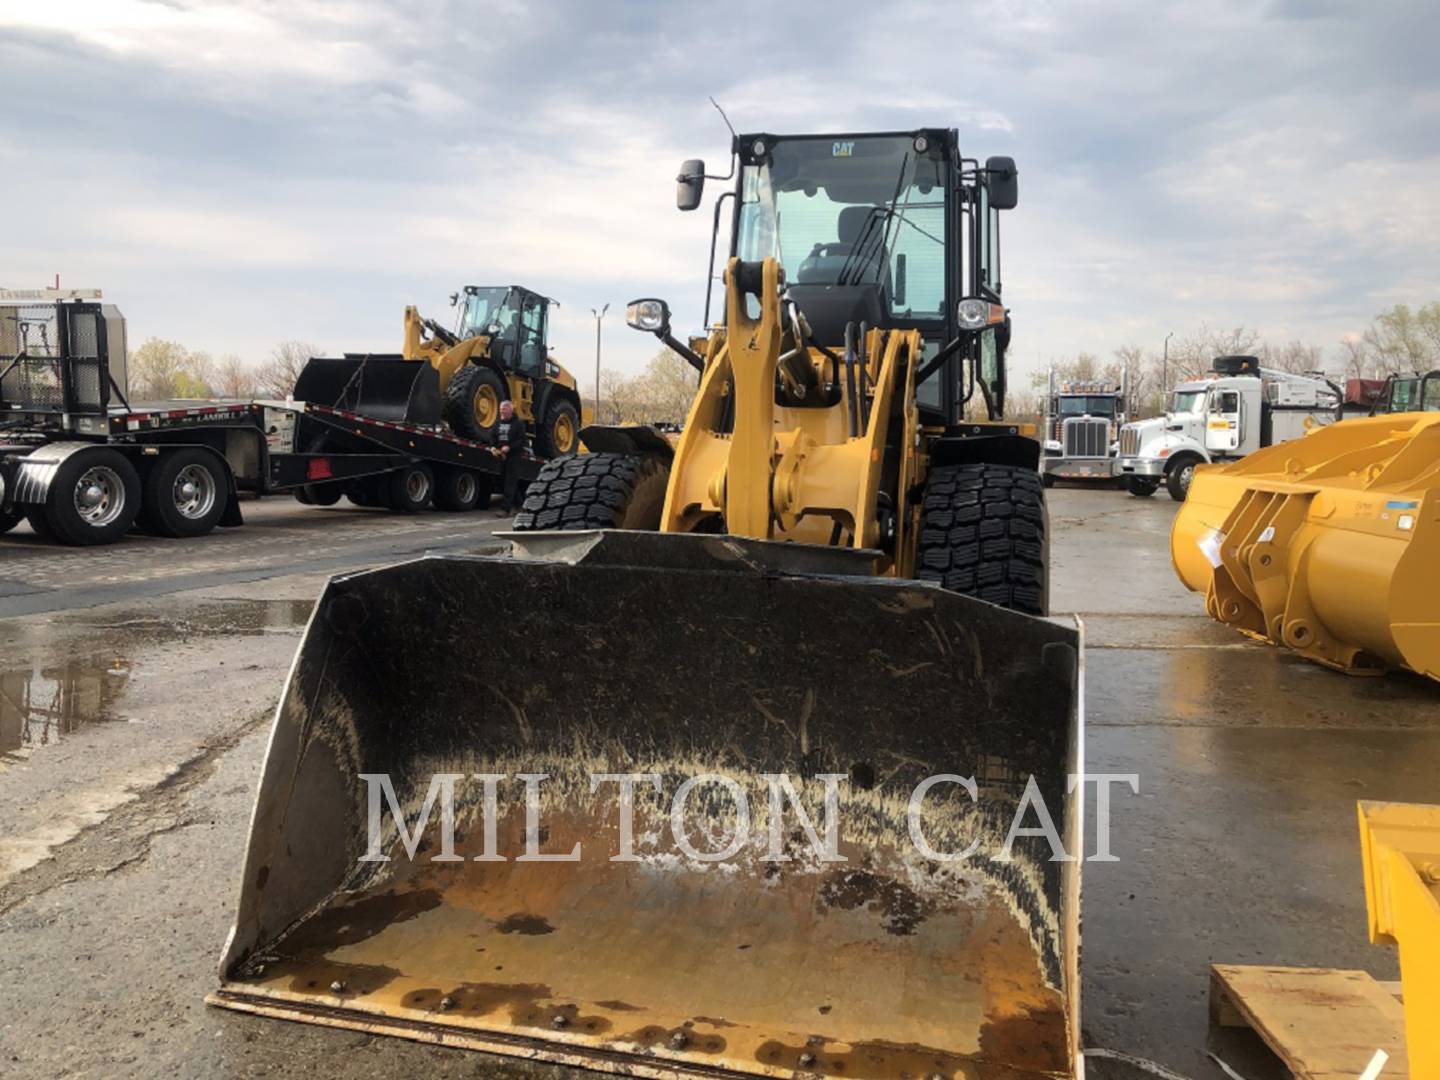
column 131, row 828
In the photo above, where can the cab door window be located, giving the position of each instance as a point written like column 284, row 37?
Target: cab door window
column 532, row 335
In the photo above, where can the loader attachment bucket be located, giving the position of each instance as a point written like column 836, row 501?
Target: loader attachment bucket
column 381, row 387
column 725, row 934
column 1326, row 545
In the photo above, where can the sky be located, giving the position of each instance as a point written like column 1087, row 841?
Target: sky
column 234, row 173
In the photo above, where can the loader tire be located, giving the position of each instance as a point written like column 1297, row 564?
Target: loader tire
column 596, row 491
column 983, row 534
column 472, row 403
column 559, row 432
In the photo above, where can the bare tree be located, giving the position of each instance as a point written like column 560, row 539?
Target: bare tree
column 234, row 378
column 660, row 394
column 276, row 376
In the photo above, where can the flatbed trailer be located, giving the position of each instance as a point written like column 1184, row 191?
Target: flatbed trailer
column 84, row 465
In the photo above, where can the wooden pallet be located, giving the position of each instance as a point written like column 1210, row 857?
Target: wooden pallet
column 1323, row 1023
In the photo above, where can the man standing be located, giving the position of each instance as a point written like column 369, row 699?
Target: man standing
column 511, row 440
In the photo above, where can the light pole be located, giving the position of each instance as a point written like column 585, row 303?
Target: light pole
column 1164, row 370
column 599, row 315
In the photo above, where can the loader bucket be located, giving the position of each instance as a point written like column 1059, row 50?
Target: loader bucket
column 1326, row 545
column 702, row 947
column 381, row 387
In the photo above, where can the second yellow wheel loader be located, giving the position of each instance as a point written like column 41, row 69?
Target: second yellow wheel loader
column 498, row 350
column 755, row 758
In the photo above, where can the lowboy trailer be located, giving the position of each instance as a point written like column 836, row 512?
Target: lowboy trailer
column 84, row 465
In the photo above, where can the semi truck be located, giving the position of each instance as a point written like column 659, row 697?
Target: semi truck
column 1234, row 410
column 1082, row 424
column 84, row 464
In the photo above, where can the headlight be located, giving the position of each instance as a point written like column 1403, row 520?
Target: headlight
column 652, row 316
column 493, row 329
column 974, row 313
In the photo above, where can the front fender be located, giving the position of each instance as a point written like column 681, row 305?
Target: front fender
column 626, row 439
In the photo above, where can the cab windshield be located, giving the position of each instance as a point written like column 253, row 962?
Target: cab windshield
column 481, row 308
column 1087, row 406
column 1188, row 401
column 851, row 211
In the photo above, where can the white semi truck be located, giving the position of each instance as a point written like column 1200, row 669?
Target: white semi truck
column 1082, row 422
column 1236, row 409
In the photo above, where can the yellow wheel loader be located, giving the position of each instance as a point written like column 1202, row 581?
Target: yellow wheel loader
column 1327, row 545
column 497, row 351
column 755, row 756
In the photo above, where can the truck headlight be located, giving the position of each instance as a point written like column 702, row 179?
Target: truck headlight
column 649, row 315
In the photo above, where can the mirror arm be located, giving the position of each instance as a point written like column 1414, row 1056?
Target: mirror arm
column 690, row 356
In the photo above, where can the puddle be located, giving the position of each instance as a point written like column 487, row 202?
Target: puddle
column 63, row 685
column 235, row 617
column 40, row 706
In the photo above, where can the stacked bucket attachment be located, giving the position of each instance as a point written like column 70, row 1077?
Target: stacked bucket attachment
column 380, row 387
column 1327, row 545
column 725, row 940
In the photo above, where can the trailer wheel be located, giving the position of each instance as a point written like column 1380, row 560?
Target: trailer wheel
column 185, row 494
column 409, row 490
column 1179, row 475
column 1141, row 486
column 320, row 494
column 10, row 518
column 461, row 490
column 94, row 498
column 983, row 534
column 472, row 402
column 560, row 432
column 596, row 491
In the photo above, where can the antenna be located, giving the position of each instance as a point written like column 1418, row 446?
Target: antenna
column 724, row 117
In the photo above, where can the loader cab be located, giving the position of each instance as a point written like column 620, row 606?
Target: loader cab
column 515, row 318
column 892, row 230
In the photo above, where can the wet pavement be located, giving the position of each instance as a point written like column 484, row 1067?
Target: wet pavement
column 134, row 713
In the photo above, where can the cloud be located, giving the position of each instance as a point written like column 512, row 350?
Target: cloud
column 233, row 173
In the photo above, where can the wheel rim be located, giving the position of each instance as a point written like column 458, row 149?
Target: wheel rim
column 417, row 485
column 563, row 435
column 465, row 488
column 486, row 404
column 194, row 492
column 99, row 496
column 1185, row 476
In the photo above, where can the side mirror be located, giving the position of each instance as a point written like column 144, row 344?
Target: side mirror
column 650, row 315
column 899, row 284
column 1003, row 181
column 690, row 184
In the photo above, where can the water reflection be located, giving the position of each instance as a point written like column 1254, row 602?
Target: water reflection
column 39, row 706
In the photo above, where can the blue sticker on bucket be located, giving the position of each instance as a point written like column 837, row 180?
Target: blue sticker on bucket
column 1400, row 504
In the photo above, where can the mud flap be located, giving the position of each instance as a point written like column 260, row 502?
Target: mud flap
column 382, row 387
column 866, row 952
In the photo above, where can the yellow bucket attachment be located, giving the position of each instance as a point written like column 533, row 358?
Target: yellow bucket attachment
column 676, row 657
column 1327, row 545
column 1400, row 844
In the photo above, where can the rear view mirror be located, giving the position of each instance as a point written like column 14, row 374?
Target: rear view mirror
column 1003, row 181
column 690, row 184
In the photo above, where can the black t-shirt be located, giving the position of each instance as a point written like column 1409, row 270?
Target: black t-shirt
column 511, row 433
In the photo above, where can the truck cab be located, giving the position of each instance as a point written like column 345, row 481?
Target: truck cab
column 1235, row 410
column 1082, row 424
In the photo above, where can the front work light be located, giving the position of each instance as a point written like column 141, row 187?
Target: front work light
column 650, row 315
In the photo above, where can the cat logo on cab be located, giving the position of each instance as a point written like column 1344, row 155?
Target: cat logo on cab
column 842, row 149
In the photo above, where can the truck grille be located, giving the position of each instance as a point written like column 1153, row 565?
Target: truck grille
column 1129, row 442
column 1086, row 438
